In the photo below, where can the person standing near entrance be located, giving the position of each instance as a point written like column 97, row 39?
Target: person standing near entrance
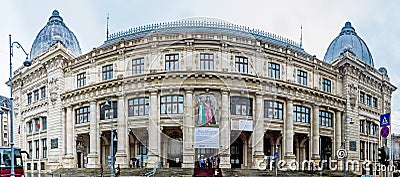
column 101, row 171
column 118, row 171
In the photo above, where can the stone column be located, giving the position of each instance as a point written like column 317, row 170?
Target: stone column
column 225, row 132
column 315, row 133
column 338, row 131
column 153, row 130
column 69, row 158
column 289, row 133
column 93, row 154
column 188, row 125
column 258, row 133
column 121, row 155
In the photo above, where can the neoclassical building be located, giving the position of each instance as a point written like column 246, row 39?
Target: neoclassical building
column 193, row 89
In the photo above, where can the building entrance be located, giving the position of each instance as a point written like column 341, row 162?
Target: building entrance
column 237, row 153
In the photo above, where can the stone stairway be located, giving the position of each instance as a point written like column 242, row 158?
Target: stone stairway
column 179, row 172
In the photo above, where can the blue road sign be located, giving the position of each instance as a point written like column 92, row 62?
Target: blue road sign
column 385, row 131
column 385, row 119
column 275, row 155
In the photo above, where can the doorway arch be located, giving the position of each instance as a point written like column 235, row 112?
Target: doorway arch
column 175, row 147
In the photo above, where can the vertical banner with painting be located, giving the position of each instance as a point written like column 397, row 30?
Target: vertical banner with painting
column 206, row 109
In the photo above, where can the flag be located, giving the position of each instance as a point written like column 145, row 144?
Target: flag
column 38, row 124
column 19, row 129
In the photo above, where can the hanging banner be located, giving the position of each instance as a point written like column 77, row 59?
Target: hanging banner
column 206, row 137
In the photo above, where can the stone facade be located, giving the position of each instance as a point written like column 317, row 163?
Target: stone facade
column 155, row 81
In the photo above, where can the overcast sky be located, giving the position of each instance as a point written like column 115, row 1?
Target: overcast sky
column 376, row 22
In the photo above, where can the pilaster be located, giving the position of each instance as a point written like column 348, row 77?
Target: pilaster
column 225, row 131
column 154, row 130
column 258, row 132
column 121, row 155
column 338, row 131
column 93, row 154
column 315, row 133
column 69, row 158
column 289, row 133
column 188, row 150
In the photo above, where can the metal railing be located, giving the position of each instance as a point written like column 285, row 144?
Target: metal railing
column 153, row 171
column 209, row 24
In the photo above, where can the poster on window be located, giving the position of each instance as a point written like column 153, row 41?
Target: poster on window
column 206, row 109
column 206, row 137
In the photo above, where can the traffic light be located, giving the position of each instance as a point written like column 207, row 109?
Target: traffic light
column 382, row 155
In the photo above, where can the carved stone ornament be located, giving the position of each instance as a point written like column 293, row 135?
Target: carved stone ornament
column 353, row 96
column 53, row 96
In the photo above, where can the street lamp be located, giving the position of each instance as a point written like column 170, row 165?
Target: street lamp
column 109, row 105
column 26, row 63
column 344, row 142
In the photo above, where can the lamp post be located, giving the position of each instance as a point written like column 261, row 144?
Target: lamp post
column 27, row 63
column 109, row 105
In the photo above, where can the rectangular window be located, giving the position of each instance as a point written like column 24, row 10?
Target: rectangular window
column 206, row 61
column 302, row 77
column 34, row 166
column 274, row 70
column 44, row 146
column 43, row 92
column 325, row 118
column 81, row 79
column 30, row 126
column 138, row 107
column 82, row 115
column 30, row 149
column 42, row 166
column 171, row 104
column 326, row 85
column 241, row 106
column 374, row 129
column 362, row 148
column 362, row 95
column 36, row 95
column 241, row 64
column 29, row 98
column 368, row 100
column 362, row 126
column 374, row 102
column 37, row 124
column 301, row 114
column 138, row 66
column 37, row 149
column 107, row 72
column 172, row 62
column 106, row 112
column 44, row 123
column 368, row 127
column 273, row 109
column 28, row 166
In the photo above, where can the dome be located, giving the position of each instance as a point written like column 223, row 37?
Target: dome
column 348, row 40
column 55, row 31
